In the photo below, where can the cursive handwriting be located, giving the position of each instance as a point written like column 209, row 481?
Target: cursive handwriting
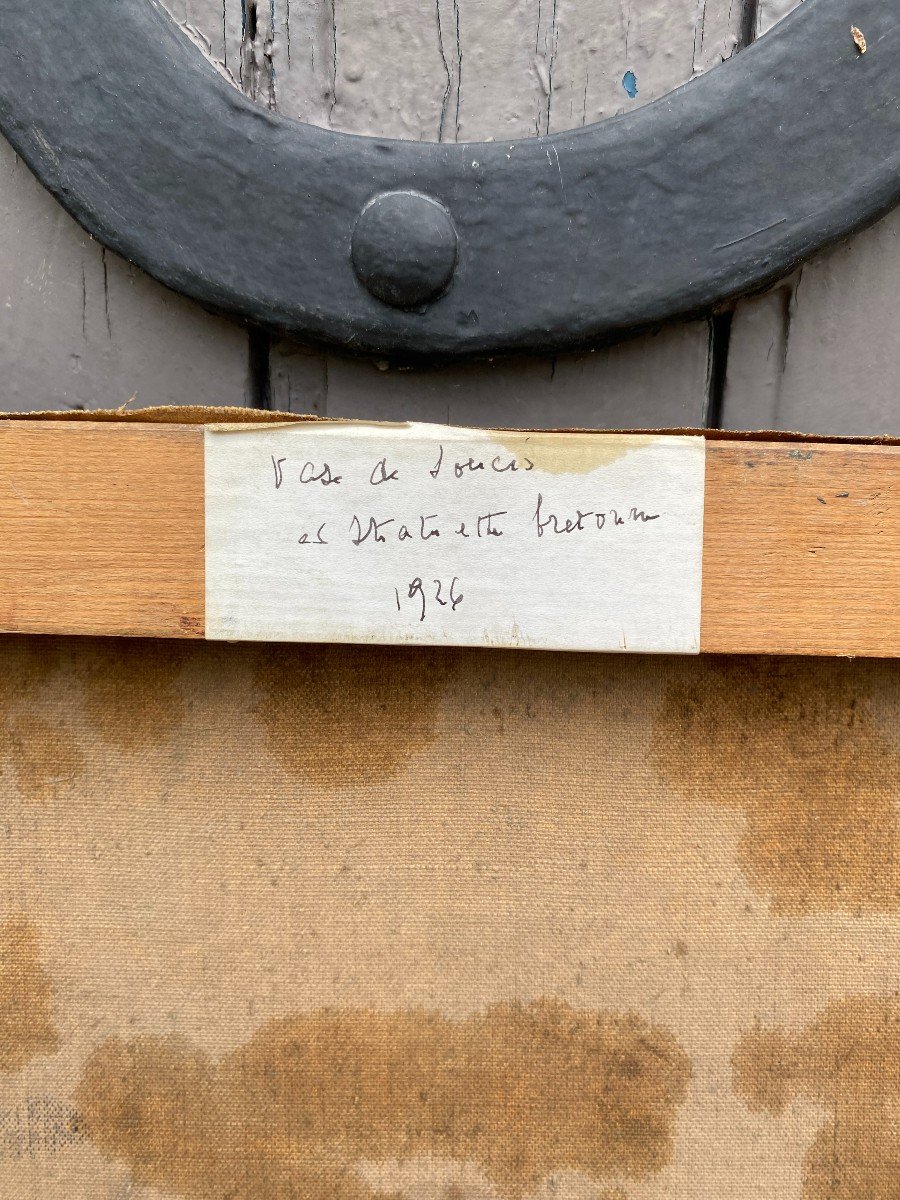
column 424, row 528
column 381, row 474
column 468, row 466
column 310, row 473
column 585, row 519
column 305, row 540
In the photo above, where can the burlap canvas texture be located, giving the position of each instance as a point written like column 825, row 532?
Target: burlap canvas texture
column 325, row 923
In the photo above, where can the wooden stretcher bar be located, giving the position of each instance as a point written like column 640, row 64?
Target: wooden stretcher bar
column 102, row 532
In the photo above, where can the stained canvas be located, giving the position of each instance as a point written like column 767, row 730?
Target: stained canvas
column 329, row 923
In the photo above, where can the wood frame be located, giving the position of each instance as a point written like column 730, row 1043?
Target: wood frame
column 102, row 532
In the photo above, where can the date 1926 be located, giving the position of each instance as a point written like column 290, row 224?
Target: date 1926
column 424, row 594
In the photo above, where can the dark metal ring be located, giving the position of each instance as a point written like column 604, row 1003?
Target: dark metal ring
column 422, row 250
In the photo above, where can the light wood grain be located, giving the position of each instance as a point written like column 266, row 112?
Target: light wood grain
column 101, row 529
column 102, row 532
column 801, row 549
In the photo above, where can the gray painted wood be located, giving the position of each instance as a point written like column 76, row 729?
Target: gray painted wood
column 770, row 12
column 473, row 69
column 655, row 381
column 820, row 353
column 80, row 328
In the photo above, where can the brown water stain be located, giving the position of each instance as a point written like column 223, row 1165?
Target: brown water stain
column 27, row 1030
column 570, row 453
column 40, row 754
column 127, row 690
column 794, row 744
column 130, row 688
column 848, row 1060
column 340, row 716
column 521, row 1091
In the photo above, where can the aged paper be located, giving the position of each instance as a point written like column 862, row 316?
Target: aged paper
column 354, row 532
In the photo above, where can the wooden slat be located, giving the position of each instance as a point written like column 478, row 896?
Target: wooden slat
column 102, row 532
column 801, row 549
column 101, row 529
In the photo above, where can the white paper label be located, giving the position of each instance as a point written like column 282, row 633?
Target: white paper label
column 423, row 533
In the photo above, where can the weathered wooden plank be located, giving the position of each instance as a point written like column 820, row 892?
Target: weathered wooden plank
column 103, row 532
column 770, row 12
column 655, row 381
column 821, row 353
column 625, row 55
column 454, row 69
column 82, row 329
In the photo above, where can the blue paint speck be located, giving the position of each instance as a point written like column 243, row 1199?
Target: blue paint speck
column 629, row 83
